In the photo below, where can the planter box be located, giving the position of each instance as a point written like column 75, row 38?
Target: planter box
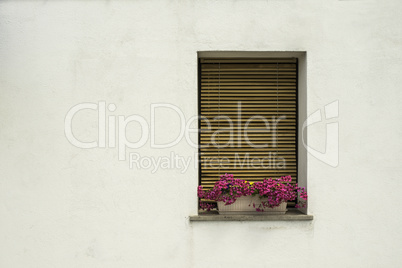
column 244, row 206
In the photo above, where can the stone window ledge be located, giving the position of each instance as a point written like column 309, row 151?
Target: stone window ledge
column 291, row 215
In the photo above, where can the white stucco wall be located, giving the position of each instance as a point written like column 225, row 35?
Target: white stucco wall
column 62, row 206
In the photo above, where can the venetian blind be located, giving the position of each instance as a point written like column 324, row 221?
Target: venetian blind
column 248, row 124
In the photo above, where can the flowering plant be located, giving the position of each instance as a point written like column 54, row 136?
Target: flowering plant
column 272, row 192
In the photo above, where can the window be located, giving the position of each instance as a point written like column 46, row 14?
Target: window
column 248, row 109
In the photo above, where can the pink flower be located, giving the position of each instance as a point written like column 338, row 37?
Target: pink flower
column 276, row 191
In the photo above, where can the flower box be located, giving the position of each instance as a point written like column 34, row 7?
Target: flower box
column 246, row 205
column 236, row 196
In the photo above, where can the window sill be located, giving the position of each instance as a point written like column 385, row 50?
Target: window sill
column 291, row 215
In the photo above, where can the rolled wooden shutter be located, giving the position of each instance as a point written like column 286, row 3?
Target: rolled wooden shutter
column 265, row 88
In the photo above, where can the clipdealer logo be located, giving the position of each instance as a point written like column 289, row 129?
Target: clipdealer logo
column 112, row 134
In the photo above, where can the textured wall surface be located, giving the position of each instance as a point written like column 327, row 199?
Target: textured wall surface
column 63, row 206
